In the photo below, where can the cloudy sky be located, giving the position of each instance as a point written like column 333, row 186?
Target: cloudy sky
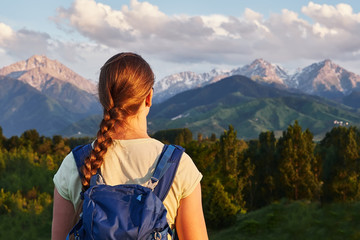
column 187, row 35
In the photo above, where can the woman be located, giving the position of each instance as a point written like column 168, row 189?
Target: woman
column 126, row 154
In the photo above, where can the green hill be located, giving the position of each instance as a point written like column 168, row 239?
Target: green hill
column 250, row 107
column 83, row 128
column 296, row 221
column 24, row 107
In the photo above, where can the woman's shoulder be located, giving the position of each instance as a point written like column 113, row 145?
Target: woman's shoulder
column 68, row 164
column 67, row 180
column 187, row 176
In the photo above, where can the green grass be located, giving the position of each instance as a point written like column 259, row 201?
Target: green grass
column 296, row 221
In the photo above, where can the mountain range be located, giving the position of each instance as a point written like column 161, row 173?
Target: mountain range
column 45, row 95
column 324, row 78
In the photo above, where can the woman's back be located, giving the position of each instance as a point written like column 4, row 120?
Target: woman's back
column 125, row 153
column 132, row 162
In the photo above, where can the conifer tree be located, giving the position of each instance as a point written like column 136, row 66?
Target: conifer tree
column 229, row 152
column 2, row 138
column 213, row 137
column 220, row 211
column 266, row 169
column 340, row 153
column 13, row 143
column 233, row 171
column 31, row 138
column 297, row 163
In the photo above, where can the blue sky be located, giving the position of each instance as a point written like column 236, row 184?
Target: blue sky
column 177, row 36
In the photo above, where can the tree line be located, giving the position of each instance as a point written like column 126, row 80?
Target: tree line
column 27, row 166
column 239, row 176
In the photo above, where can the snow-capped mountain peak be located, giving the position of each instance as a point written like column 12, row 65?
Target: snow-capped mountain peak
column 179, row 82
column 323, row 78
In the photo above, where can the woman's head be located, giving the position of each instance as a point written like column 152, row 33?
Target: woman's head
column 125, row 81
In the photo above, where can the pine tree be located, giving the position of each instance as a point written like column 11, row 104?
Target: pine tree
column 297, row 163
column 213, row 137
column 220, row 211
column 233, row 171
column 229, row 151
column 2, row 138
column 266, row 169
column 340, row 153
column 31, row 138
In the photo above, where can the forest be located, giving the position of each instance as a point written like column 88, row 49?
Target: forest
column 239, row 177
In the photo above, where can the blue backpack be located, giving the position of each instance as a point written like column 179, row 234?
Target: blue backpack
column 126, row 211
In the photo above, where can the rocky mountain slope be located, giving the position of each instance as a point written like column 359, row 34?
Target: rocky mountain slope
column 262, row 71
column 43, row 94
column 325, row 79
column 38, row 70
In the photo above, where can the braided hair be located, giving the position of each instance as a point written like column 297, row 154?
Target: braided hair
column 124, row 82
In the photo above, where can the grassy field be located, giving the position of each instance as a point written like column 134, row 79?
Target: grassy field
column 296, row 221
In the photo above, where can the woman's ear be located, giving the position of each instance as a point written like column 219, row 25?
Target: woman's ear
column 148, row 100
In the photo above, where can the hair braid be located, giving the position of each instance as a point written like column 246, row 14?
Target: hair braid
column 124, row 82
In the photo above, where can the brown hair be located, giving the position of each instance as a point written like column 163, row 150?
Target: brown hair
column 125, row 81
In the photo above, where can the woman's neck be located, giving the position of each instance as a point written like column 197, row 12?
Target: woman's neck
column 135, row 127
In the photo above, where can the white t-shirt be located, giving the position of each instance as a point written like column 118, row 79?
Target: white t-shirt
column 131, row 162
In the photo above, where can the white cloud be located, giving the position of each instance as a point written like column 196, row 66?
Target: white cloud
column 340, row 16
column 323, row 31
column 142, row 27
column 6, row 33
column 22, row 43
column 251, row 15
column 83, row 57
column 183, row 40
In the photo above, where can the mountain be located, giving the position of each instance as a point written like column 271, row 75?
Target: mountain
column 56, row 81
column 37, row 71
column 325, row 79
column 250, row 107
column 263, row 71
column 352, row 100
column 259, row 70
column 180, row 82
column 40, row 89
column 87, row 126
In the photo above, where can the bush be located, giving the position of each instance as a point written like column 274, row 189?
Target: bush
column 220, row 211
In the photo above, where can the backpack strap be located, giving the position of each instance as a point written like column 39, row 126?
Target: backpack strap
column 80, row 153
column 166, row 169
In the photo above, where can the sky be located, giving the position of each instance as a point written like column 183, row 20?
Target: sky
column 176, row 36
